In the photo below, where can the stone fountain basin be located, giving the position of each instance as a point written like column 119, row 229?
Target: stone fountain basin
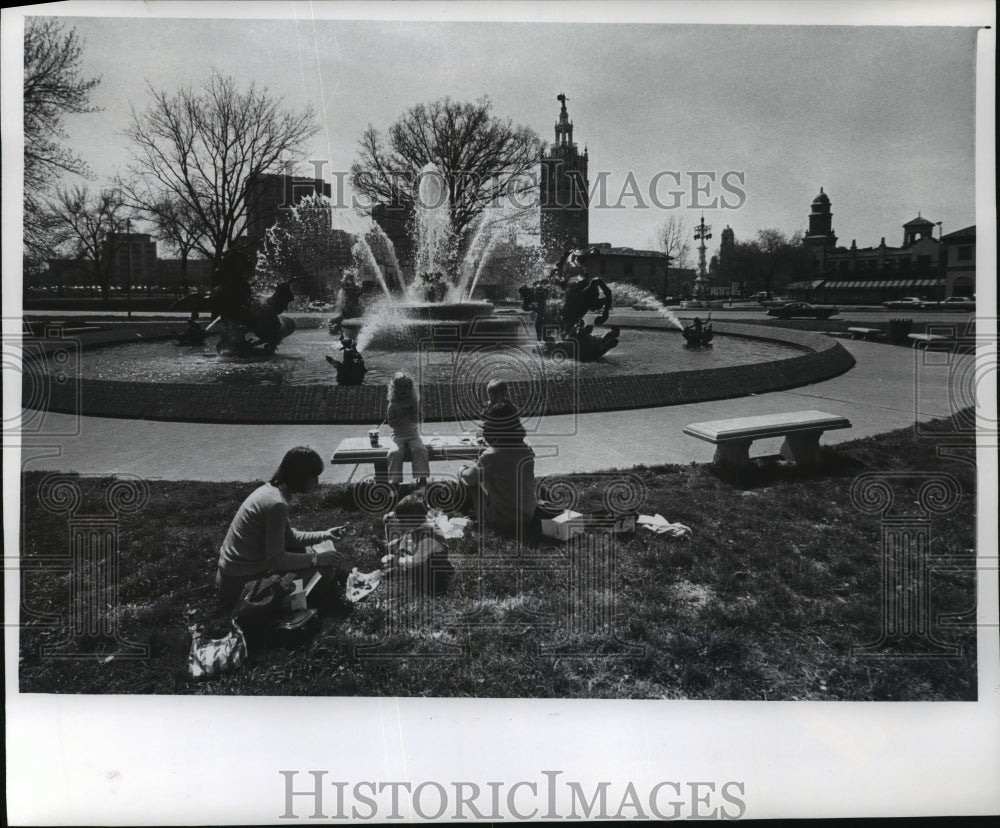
column 547, row 388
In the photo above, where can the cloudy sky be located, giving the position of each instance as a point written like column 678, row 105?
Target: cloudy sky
column 881, row 117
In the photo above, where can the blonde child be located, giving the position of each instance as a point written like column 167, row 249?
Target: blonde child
column 403, row 416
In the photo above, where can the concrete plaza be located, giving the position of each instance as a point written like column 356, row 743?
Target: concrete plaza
column 889, row 388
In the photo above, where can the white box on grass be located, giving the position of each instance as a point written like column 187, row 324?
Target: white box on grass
column 564, row 526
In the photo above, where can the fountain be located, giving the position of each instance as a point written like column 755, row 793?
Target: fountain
column 698, row 334
column 421, row 323
column 239, row 313
column 435, row 310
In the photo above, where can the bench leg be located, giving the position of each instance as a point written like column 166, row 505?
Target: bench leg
column 803, row 448
column 382, row 471
column 733, row 454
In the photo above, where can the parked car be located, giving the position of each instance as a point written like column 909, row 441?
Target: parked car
column 956, row 303
column 911, row 302
column 790, row 309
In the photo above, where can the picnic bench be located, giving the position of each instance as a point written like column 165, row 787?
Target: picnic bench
column 926, row 339
column 357, row 450
column 801, row 430
column 869, row 334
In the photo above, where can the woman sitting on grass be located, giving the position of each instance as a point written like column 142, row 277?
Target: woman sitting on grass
column 261, row 541
column 502, row 482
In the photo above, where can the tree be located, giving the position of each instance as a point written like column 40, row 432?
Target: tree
column 673, row 238
column 784, row 257
column 93, row 228
column 480, row 157
column 176, row 224
column 53, row 88
column 304, row 246
column 206, row 150
column 768, row 262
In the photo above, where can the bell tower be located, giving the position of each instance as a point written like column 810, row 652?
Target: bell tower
column 820, row 237
column 564, row 191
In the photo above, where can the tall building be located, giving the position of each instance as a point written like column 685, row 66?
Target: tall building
column 564, row 195
column 820, row 236
column 960, row 261
column 270, row 193
column 922, row 266
column 726, row 247
column 132, row 258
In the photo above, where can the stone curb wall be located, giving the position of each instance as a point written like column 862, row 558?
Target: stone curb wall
column 821, row 359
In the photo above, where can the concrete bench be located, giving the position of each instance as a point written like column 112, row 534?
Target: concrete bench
column 926, row 339
column 356, row 450
column 801, row 430
column 870, row 334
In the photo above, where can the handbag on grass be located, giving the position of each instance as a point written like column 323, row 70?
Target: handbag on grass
column 261, row 602
column 209, row 658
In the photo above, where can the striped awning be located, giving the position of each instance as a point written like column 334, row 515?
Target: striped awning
column 883, row 284
column 815, row 283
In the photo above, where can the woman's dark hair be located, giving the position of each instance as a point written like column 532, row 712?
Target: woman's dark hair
column 411, row 509
column 297, row 467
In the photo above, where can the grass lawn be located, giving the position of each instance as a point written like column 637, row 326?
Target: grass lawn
column 778, row 583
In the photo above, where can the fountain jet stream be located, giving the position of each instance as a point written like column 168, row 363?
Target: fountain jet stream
column 626, row 294
column 362, row 253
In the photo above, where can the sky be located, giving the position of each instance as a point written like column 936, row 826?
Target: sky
column 880, row 117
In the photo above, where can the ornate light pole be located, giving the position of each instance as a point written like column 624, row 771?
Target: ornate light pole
column 942, row 264
column 128, row 277
column 701, row 234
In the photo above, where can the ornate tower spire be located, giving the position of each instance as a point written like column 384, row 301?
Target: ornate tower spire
column 564, row 190
column 564, row 126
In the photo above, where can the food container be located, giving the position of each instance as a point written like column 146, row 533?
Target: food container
column 566, row 525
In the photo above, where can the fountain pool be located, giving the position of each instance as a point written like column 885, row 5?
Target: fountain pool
column 300, row 360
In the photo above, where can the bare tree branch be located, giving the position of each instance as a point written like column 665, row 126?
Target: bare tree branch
column 92, row 227
column 673, row 238
column 53, row 88
column 478, row 155
column 203, row 150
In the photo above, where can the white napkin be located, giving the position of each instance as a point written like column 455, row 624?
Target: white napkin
column 661, row 526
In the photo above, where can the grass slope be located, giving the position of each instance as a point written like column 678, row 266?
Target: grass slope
column 778, row 584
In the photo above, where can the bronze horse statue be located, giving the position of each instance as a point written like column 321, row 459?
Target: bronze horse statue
column 233, row 306
column 561, row 302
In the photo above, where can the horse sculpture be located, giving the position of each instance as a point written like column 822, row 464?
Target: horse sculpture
column 560, row 303
column 233, row 307
column 584, row 294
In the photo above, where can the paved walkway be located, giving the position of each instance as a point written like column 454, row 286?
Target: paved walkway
column 889, row 388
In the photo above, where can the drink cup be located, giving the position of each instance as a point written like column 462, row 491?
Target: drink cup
column 373, row 436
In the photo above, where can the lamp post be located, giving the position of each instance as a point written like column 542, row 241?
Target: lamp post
column 128, row 277
column 942, row 264
column 701, row 234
